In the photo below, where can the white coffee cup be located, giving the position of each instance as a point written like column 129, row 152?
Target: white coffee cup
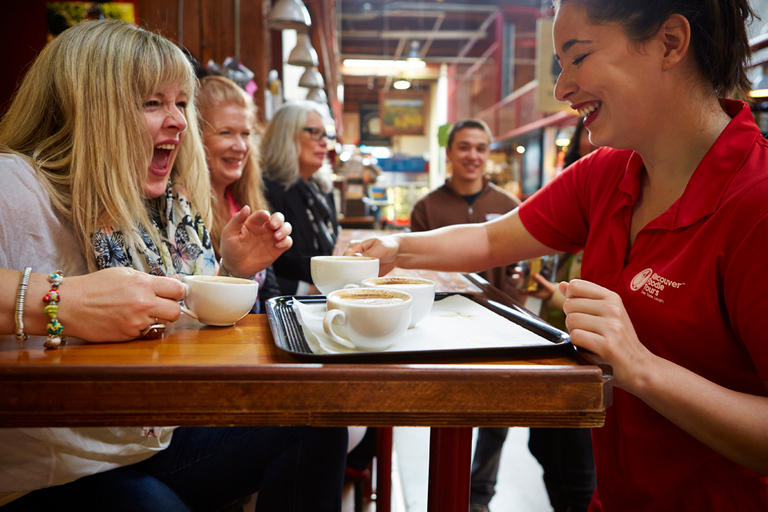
column 421, row 290
column 367, row 319
column 331, row 273
column 218, row 300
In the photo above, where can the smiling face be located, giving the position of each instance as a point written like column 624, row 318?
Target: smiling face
column 311, row 152
column 608, row 80
column 163, row 114
column 468, row 154
column 228, row 143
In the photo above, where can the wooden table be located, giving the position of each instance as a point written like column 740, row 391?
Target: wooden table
column 199, row 375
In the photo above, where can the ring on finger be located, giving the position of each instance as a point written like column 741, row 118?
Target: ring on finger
column 153, row 331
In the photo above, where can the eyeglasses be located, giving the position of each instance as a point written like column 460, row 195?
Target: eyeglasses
column 319, row 134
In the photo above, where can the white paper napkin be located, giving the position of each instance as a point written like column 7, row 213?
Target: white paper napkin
column 455, row 322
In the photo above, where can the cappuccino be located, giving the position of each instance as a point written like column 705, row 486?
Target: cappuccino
column 342, row 258
column 422, row 291
column 221, row 279
column 367, row 318
column 397, row 281
column 370, row 301
column 368, row 297
column 218, row 300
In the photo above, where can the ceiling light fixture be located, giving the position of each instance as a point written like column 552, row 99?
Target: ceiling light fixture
column 401, row 84
column 312, row 78
column 317, row 94
column 289, row 14
column 413, row 53
column 303, row 54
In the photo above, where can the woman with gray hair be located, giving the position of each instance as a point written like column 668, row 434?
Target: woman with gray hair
column 293, row 149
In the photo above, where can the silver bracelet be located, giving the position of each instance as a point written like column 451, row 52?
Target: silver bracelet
column 224, row 271
column 21, row 336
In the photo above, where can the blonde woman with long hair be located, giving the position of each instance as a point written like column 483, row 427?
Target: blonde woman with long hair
column 230, row 134
column 103, row 166
column 293, row 151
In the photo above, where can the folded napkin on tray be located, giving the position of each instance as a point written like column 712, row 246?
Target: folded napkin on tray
column 455, row 322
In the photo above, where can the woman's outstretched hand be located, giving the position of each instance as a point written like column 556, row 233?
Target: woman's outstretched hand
column 250, row 242
column 386, row 249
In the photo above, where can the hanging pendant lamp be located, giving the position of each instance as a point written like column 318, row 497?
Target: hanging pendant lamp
column 317, row 94
column 312, row 78
column 304, row 54
column 289, row 14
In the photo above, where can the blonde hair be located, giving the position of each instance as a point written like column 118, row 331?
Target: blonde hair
column 280, row 146
column 77, row 120
column 215, row 92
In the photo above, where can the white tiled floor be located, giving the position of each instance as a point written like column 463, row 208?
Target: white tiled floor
column 519, row 489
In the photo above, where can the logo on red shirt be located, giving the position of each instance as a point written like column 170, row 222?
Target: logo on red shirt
column 640, row 279
column 652, row 284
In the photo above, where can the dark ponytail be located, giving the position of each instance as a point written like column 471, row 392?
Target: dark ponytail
column 719, row 38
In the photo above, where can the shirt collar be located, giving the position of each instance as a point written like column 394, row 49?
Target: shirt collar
column 709, row 181
column 486, row 181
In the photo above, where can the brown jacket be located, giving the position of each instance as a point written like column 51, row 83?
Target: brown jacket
column 444, row 207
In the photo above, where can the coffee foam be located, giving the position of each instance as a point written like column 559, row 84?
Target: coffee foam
column 343, row 258
column 369, row 297
column 220, row 279
column 371, row 301
column 397, row 281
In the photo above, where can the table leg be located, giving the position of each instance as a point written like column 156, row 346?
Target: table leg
column 450, row 451
column 383, row 469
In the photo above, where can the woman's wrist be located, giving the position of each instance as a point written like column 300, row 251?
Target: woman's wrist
column 225, row 271
column 34, row 317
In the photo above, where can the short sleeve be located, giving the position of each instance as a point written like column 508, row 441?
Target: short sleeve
column 557, row 215
column 744, row 286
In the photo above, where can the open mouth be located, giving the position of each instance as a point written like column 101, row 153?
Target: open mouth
column 161, row 157
column 233, row 161
column 588, row 110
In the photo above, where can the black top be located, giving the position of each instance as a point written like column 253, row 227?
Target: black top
column 310, row 236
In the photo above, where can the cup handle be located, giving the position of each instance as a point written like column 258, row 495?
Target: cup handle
column 328, row 319
column 183, row 306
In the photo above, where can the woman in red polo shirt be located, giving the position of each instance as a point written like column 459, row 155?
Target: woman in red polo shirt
column 674, row 227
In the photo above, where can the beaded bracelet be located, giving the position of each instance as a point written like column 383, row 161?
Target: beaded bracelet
column 21, row 336
column 51, row 309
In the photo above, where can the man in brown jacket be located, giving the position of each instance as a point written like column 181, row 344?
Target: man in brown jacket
column 468, row 195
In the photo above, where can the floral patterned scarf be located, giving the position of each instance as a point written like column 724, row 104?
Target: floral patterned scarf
column 185, row 249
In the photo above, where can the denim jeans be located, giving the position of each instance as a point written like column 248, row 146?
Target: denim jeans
column 294, row 469
column 565, row 454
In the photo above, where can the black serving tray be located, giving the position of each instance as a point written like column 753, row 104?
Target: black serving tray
column 289, row 336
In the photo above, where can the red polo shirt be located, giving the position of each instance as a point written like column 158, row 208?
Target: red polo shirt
column 694, row 284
